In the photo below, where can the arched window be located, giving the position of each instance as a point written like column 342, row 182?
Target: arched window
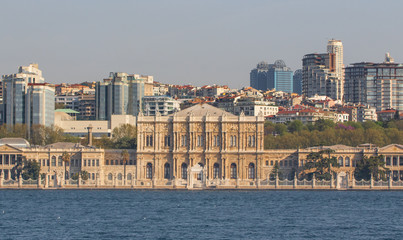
column 110, row 176
column 251, row 171
column 233, row 171
column 53, row 161
column 347, row 162
column 341, row 161
column 119, row 176
column 60, row 161
column 149, row 171
column 129, row 176
column 216, row 171
column 166, row 171
column 184, row 171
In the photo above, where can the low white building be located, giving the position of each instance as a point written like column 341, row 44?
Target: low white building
column 162, row 104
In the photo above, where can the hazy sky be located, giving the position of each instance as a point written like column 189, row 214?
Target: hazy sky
column 196, row 42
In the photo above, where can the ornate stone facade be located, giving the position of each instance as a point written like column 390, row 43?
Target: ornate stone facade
column 199, row 147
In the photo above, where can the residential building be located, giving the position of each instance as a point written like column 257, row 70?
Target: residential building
column 164, row 105
column 121, row 94
column 27, row 99
column 379, row 85
column 323, row 74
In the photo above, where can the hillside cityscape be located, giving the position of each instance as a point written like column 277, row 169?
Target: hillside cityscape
column 128, row 130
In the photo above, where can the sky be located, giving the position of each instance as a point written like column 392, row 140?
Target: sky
column 189, row 42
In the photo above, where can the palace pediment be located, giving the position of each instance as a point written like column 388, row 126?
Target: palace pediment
column 7, row 148
column 392, row 148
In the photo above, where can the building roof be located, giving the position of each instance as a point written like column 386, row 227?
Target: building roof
column 15, row 142
column 64, row 145
column 66, row 110
column 203, row 109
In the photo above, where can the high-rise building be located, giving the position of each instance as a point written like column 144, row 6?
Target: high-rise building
column 272, row 76
column 120, row 94
column 27, row 99
column 258, row 76
column 279, row 77
column 323, row 74
column 378, row 85
column 297, row 82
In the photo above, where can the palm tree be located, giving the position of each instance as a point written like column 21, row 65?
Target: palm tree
column 66, row 159
column 125, row 157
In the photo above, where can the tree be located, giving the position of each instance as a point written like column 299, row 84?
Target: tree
column 295, row 126
column 125, row 137
column 276, row 171
column 321, row 166
column 281, row 129
column 85, row 175
column 371, row 166
column 66, row 160
column 31, row 170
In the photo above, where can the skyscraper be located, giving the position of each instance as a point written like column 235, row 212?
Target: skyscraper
column 258, row 76
column 297, row 82
column 268, row 76
column 120, row 94
column 378, row 85
column 323, row 74
column 27, row 98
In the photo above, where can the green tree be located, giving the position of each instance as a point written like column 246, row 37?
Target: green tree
column 371, row 166
column 295, row 126
column 66, row 161
column 85, row 175
column 31, row 170
column 281, row 129
column 320, row 165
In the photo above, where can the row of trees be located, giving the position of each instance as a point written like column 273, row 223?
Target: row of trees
column 38, row 134
column 325, row 132
column 123, row 137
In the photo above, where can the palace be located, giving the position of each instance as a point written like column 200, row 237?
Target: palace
column 199, row 147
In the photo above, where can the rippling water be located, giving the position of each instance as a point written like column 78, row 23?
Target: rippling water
column 111, row 214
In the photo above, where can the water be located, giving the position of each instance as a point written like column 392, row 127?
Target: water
column 112, row 214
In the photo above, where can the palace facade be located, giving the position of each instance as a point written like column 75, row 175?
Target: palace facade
column 199, row 147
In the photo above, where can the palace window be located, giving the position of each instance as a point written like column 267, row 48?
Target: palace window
column 233, row 141
column 200, row 140
column 267, row 163
column 116, row 162
column 93, row 162
column 119, row 176
column 341, row 161
column 129, row 176
column 93, row 176
column 200, row 174
column 183, row 140
column 285, row 163
column 401, row 161
column 233, row 171
column 347, row 162
column 251, row 171
column 271, row 163
column 387, row 161
column 53, row 161
column 97, row 162
column 251, row 141
column 216, row 142
column 394, row 161
column 110, row 176
column 85, row 162
column 167, row 141
column 166, row 170
column 216, row 171
column 184, row 171
column 47, row 163
column 149, row 140
column 60, row 161
column 149, row 171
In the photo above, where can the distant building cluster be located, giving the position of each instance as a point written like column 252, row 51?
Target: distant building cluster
column 322, row 89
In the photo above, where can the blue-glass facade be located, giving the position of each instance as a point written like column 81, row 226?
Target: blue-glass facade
column 297, row 82
column 268, row 76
